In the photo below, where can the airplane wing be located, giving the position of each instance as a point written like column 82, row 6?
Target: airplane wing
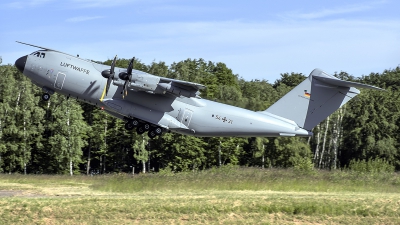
column 161, row 85
column 183, row 84
column 179, row 87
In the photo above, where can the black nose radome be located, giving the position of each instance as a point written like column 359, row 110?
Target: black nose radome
column 20, row 63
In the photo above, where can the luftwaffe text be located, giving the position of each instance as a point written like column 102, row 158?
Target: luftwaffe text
column 80, row 69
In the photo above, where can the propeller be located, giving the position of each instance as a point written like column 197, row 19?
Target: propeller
column 109, row 74
column 127, row 76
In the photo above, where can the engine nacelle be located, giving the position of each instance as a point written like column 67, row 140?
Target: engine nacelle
column 174, row 89
column 123, row 76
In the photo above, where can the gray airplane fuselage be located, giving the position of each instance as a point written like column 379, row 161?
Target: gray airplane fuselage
column 81, row 79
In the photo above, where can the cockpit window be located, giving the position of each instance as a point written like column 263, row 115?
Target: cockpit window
column 39, row 54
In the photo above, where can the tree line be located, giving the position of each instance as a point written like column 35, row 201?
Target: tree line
column 65, row 136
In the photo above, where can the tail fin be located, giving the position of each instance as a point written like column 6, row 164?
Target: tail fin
column 315, row 99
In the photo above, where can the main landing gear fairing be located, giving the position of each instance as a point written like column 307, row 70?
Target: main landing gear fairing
column 142, row 127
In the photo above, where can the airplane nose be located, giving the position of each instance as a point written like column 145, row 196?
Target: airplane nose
column 20, row 63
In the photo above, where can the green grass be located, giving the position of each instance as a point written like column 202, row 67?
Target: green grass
column 235, row 178
column 228, row 195
column 210, row 207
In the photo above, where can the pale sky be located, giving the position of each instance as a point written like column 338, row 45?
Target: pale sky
column 256, row 39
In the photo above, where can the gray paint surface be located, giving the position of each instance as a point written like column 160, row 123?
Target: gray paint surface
column 168, row 103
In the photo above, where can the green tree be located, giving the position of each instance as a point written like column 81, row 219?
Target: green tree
column 141, row 154
column 65, row 134
column 283, row 151
column 371, row 127
column 290, row 80
column 20, row 120
column 181, row 153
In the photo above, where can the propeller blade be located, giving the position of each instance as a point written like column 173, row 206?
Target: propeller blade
column 130, row 67
column 129, row 73
column 109, row 74
column 124, row 90
column 113, row 66
column 108, row 84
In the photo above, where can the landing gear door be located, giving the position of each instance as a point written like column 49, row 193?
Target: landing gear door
column 59, row 80
column 187, row 116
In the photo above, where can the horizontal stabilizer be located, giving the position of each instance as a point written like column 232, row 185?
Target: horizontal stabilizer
column 326, row 78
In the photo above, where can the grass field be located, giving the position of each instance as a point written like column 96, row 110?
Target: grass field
column 228, row 195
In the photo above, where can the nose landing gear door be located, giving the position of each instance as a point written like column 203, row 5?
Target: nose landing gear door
column 59, row 80
column 187, row 116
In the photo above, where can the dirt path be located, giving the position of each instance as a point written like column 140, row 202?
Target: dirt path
column 8, row 193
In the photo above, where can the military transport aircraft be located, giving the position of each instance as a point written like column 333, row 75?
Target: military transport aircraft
column 156, row 104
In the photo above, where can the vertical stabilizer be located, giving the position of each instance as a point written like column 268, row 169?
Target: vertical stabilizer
column 315, row 98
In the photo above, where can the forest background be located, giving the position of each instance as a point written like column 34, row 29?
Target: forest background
column 65, row 136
